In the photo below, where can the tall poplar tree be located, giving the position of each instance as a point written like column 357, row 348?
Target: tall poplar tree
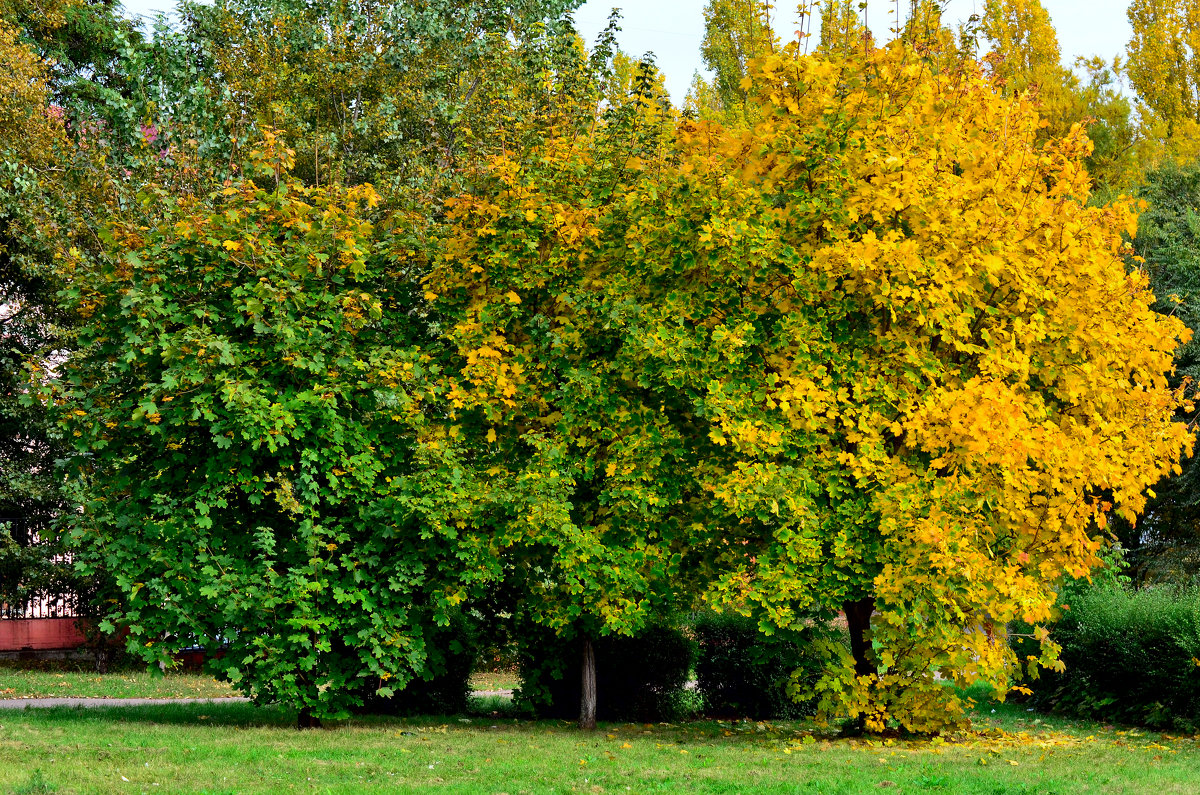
column 735, row 33
column 1164, row 62
column 1025, row 57
column 842, row 28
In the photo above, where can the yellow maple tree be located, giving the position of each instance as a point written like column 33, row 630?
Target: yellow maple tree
column 876, row 355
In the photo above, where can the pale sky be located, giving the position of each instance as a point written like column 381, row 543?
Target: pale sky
column 673, row 29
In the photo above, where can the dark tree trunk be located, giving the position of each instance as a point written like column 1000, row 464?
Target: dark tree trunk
column 306, row 720
column 587, row 702
column 858, row 618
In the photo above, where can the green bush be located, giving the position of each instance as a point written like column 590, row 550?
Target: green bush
column 639, row 678
column 444, row 687
column 743, row 673
column 1131, row 656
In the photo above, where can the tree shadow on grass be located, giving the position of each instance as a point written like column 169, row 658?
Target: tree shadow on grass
column 239, row 715
column 245, row 715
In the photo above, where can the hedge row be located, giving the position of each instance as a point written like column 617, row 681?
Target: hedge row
column 1131, row 656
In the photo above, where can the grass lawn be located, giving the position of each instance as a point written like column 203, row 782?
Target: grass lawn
column 503, row 680
column 23, row 681
column 238, row 748
column 26, row 682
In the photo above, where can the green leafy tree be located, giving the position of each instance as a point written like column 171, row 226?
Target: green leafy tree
column 289, row 353
column 52, row 189
column 248, row 398
column 551, row 394
column 1121, row 149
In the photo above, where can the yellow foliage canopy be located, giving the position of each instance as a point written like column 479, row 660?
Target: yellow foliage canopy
column 876, row 350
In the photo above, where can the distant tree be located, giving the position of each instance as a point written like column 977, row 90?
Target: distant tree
column 842, row 28
column 1164, row 64
column 735, row 33
column 1025, row 57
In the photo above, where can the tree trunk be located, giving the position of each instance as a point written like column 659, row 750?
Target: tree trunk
column 306, row 720
column 587, row 702
column 858, row 618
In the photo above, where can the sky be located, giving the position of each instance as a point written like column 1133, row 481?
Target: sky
column 673, row 29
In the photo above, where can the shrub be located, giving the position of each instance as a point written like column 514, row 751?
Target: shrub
column 639, row 678
column 444, row 687
column 1131, row 656
column 744, row 673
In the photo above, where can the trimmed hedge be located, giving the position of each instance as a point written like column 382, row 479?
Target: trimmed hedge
column 1131, row 656
column 743, row 673
column 639, row 678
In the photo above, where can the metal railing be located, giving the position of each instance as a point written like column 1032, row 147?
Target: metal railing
column 43, row 606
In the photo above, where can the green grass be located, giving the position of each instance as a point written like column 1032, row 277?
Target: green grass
column 24, row 682
column 502, row 680
column 239, row 748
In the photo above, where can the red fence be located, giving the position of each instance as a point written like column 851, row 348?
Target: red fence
column 40, row 634
column 43, row 623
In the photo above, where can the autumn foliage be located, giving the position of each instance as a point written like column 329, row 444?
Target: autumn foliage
column 875, row 354
column 502, row 331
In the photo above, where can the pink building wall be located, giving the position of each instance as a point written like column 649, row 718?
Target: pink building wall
column 39, row 634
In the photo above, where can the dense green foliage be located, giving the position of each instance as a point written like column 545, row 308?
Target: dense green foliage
column 1130, row 656
column 260, row 452
column 1164, row 546
column 248, row 377
column 443, row 685
column 53, row 192
column 743, row 673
